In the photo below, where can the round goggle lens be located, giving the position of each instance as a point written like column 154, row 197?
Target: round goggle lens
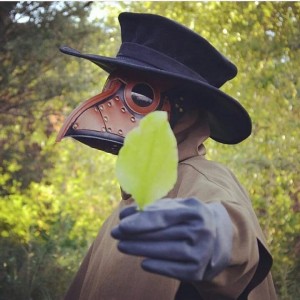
column 142, row 95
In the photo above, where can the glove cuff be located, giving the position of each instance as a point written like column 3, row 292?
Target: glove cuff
column 223, row 242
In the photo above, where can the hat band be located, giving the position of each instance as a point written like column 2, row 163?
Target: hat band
column 151, row 57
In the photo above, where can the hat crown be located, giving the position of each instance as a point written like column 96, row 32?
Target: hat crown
column 178, row 43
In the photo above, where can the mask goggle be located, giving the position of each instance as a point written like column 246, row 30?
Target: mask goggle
column 103, row 121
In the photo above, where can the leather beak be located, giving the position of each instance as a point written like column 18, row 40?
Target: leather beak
column 87, row 116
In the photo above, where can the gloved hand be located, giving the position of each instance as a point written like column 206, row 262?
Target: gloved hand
column 181, row 238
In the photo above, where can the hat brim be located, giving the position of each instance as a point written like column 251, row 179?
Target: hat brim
column 229, row 121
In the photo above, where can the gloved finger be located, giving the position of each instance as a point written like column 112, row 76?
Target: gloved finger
column 171, row 250
column 164, row 213
column 127, row 211
column 158, row 250
column 189, row 232
column 187, row 271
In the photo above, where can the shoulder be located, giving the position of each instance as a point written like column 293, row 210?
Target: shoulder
column 199, row 176
column 210, row 170
column 207, row 168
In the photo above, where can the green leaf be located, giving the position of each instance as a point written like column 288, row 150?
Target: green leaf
column 147, row 163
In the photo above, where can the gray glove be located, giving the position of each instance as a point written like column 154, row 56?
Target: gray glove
column 181, row 238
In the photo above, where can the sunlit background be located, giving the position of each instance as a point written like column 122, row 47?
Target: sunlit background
column 55, row 197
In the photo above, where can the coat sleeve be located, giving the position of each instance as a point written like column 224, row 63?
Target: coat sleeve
column 74, row 290
column 250, row 260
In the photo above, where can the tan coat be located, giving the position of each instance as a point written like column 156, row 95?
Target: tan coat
column 107, row 274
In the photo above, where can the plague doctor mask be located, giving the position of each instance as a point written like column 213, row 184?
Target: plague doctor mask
column 103, row 121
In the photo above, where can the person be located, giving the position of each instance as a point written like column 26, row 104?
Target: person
column 203, row 239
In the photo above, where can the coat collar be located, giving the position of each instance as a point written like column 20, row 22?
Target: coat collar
column 191, row 131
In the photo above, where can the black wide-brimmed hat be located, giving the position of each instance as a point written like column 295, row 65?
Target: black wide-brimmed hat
column 161, row 47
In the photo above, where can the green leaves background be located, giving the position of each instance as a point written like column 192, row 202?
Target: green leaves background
column 54, row 198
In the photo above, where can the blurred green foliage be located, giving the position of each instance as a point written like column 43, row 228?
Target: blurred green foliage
column 54, row 197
